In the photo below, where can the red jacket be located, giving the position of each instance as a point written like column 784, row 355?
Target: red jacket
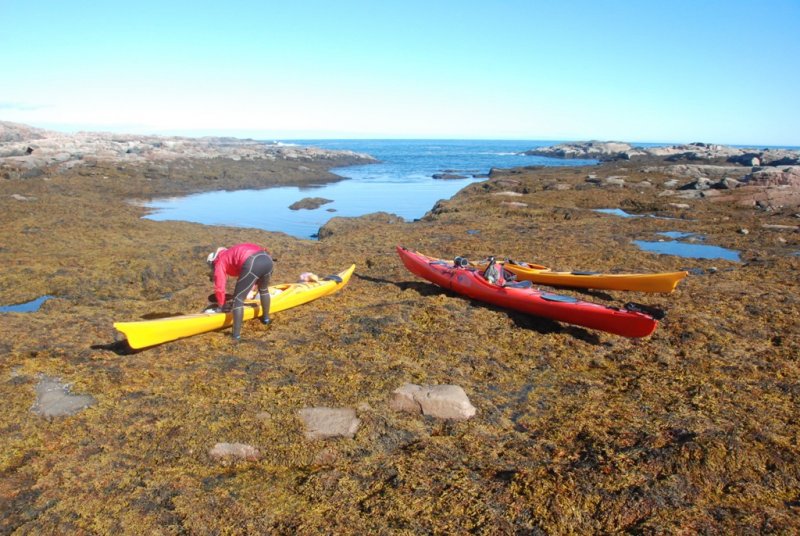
column 229, row 263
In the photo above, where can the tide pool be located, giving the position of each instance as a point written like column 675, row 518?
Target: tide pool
column 687, row 249
column 400, row 184
column 27, row 307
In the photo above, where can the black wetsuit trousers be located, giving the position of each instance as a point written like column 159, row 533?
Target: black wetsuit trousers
column 257, row 268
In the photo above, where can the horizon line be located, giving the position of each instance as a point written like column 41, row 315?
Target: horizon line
column 245, row 133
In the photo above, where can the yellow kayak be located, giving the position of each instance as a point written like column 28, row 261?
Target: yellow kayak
column 146, row 333
column 656, row 282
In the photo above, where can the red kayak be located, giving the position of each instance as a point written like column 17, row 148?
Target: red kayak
column 632, row 321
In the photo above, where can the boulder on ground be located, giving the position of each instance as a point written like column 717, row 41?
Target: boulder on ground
column 440, row 401
column 779, row 176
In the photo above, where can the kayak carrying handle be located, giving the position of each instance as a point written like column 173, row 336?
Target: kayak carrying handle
column 654, row 312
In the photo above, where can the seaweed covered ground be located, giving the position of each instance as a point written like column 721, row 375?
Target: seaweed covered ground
column 691, row 430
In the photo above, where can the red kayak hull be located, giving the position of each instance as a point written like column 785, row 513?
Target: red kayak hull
column 471, row 283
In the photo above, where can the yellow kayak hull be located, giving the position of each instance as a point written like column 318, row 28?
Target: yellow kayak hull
column 146, row 333
column 655, row 282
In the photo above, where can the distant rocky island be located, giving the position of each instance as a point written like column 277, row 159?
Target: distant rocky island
column 617, row 150
column 756, row 177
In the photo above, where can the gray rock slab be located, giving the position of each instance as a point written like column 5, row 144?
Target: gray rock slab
column 325, row 423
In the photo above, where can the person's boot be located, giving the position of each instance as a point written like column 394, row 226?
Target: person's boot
column 238, row 317
column 265, row 302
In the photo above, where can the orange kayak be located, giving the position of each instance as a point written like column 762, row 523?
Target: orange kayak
column 536, row 273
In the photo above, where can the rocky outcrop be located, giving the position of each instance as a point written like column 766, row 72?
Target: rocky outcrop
column 600, row 150
column 342, row 225
column 696, row 171
column 310, row 203
column 692, row 152
column 778, row 176
column 17, row 132
column 27, row 148
column 448, row 176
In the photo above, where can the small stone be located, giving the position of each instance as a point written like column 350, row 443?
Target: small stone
column 744, row 231
column 240, row 451
column 263, row 416
column 440, row 401
column 509, row 193
column 403, row 399
column 326, row 457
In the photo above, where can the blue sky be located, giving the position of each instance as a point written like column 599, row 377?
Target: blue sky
column 678, row 71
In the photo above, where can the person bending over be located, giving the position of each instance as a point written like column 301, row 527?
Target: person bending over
column 252, row 264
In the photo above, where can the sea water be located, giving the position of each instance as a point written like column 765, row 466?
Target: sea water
column 689, row 250
column 402, row 184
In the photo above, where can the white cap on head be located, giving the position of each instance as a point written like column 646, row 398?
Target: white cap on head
column 213, row 256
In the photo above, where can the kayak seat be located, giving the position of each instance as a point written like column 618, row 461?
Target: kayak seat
column 518, row 284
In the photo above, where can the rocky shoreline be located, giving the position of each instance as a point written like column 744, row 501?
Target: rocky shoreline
column 446, row 415
column 708, row 152
column 768, row 178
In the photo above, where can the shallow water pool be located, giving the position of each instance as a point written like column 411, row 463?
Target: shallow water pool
column 687, row 249
column 27, row 307
column 617, row 212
